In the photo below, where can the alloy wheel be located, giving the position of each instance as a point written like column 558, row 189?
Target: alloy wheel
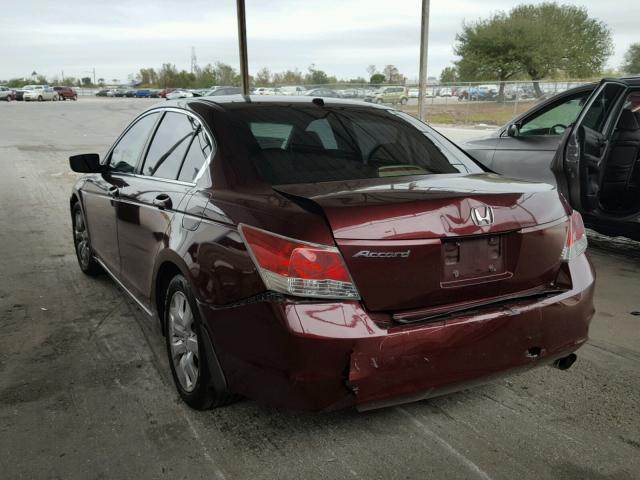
column 81, row 238
column 183, row 341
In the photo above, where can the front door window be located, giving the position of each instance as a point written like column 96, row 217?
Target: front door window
column 555, row 119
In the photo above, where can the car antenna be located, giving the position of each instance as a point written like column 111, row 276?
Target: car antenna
column 318, row 101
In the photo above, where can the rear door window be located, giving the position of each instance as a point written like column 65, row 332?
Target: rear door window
column 197, row 155
column 169, row 146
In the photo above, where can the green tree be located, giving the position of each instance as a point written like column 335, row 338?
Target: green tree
column 263, row 77
column 488, row 50
column 316, row 76
column 227, row 75
column 17, row 83
column 562, row 38
column 377, row 79
column 206, row 76
column 86, row 81
column 288, row 77
column 449, row 75
column 168, row 76
column 632, row 59
column 147, row 76
column 392, row 75
column 70, row 81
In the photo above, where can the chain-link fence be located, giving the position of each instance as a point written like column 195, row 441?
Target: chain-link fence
column 461, row 104
column 471, row 104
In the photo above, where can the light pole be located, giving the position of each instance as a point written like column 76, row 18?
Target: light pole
column 424, row 47
column 242, row 45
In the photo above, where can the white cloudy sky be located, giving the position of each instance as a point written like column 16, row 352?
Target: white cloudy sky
column 342, row 37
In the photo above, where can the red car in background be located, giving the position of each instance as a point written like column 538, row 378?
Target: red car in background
column 320, row 253
column 163, row 93
column 66, row 93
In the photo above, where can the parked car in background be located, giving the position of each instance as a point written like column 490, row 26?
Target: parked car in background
column 178, row 94
column 154, row 93
column 324, row 255
column 163, row 93
column 520, row 92
column 352, row 93
column 292, row 90
column 266, row 91
column 483, row 92
column 586, row 141
column 39, row 93
column 528, row 151
column 462, row 93
column 143, row 93
column 65, row 93
column 322, row 92
column 446, row 92
column 413, row 93
column 104, row 93
column 223, row 91
column 7, row 94
column 131, row 93
column 120, row 92
column 393, row 95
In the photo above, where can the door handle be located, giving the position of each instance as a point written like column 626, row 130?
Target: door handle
column 162, row 201
column 114, row 191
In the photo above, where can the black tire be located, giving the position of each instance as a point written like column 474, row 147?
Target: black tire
column 201, row 394
column 75, row 98
column 40, row 98
column 84, row 253
column 404, row 101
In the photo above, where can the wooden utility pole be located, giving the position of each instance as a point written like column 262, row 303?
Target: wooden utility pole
column 424, row 48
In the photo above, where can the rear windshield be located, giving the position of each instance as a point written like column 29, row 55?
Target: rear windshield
column 308, row 144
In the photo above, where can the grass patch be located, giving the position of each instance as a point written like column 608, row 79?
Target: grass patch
column 472, row 113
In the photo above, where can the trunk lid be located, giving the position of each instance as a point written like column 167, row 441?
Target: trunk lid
column 415, row 244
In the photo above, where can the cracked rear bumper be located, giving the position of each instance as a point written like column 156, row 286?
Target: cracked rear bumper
column 332, row 355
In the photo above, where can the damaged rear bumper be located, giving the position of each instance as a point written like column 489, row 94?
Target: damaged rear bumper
column 332, row 355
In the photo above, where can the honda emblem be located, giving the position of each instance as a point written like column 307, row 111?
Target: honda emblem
column 482, row 216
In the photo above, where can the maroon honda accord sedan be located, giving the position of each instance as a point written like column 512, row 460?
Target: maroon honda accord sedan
column 320, row 253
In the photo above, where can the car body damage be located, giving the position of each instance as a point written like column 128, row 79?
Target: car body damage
column 288, row 265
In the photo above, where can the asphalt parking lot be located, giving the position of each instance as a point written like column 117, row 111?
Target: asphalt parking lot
column 86, row 393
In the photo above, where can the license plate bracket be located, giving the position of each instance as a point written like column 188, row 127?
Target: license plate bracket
column 466, row 261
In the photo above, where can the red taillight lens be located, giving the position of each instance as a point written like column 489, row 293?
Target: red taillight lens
column 298, row 268
column 317, row 264
column 576, row 243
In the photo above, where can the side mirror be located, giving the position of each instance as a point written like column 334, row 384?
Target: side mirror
column 513, row 130
column 86, row 163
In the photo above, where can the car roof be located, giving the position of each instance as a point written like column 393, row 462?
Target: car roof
column 232, row 102
column 633, row 81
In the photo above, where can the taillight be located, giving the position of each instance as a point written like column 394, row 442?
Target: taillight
column 576, row 242
column 298, row 268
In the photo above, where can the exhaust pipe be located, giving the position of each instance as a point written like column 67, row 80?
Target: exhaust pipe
column 565, row 363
